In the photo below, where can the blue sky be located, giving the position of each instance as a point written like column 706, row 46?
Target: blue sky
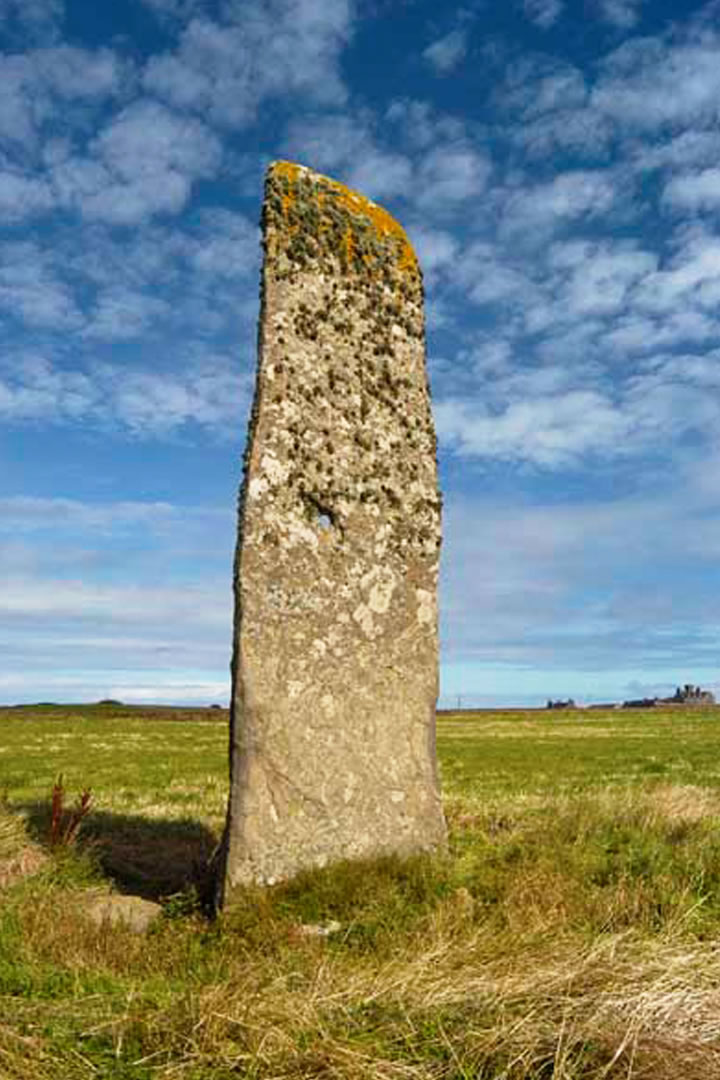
column 557, row 165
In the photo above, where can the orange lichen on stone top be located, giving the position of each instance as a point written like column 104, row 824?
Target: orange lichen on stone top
column 383, row 226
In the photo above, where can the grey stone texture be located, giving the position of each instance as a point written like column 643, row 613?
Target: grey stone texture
column 131, row 911
column 335, row 641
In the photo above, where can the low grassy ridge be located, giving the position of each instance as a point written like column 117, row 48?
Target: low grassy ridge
column 570, row 931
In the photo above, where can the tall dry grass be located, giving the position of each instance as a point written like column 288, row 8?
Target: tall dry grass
column 571, row 937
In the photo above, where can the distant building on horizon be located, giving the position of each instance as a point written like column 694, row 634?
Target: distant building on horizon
column 690, row 695
column 687, row 695
column 684, row 695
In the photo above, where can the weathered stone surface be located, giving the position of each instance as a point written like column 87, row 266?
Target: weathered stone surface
column 335, row 649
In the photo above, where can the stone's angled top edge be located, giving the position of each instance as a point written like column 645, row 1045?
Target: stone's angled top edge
column 385, row 226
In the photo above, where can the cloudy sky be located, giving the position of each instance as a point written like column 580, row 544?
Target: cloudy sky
column 557, row 165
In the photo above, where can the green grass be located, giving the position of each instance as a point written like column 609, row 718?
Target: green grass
column 569, row 931
column 155, row 762
column 508, row 753
column 165, row 763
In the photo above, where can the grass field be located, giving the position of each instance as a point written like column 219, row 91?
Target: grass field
column 569, row 932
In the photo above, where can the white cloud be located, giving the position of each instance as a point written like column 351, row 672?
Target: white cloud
column 670, row 405
column 262, row 49
column 380, row 174
column 34, row 390
column 23, row 197
column 63, row 522
column 548, row 431
column 135, row 604
column 525, row 566
column 601, row 276
column 223, row 245
column 560, row 414
column 171, row 689
column 122, row 314
column 159, row 686
column 54, row 94
column 489, row 274
column 544, row 13
column 100, row 603
column 581, row 132
column 346, row 147
column 42, row 87
column 491, row 357
column 147, row 138
column 420, row 126
column 445, row 54
column 698, row 370
column 648, row 83
column 569, row 196
column 694, row 191
column 28, row 513
column 437, row 175
column 436, row 249
column 140, row 285
column 637, row 334
column 547, row 102
column 536, row 85
column 562, row 88
column 449, row 175
column 19, row 110
column 621, row 13
column 691, row 279
column 37, row 19
column 329, row 142
column 73, row 73
column 563, row 340
column 497, row 283
column 75, row 179
column 146, row 161
column 175, row 9
column 691, row 148
column 32, row 293
column 150, row 404
column 163, row 273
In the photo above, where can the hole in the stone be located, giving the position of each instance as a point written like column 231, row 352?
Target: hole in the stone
column 317, row 512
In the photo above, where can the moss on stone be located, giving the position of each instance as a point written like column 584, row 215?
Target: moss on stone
column 343, row 225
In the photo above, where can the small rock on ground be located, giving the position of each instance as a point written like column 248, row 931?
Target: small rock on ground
column 318, row 929
column 132, row 911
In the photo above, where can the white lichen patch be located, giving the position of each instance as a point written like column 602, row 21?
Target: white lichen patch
column 426, row 606
column 274, row 470
column 381, row 595
column 363, row 617
column 257, row 487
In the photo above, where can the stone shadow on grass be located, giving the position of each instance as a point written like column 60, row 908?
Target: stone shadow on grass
column 148, row 857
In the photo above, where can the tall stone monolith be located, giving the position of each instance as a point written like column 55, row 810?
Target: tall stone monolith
column 335, row 648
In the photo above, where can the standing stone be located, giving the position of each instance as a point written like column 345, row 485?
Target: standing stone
column 335, row 642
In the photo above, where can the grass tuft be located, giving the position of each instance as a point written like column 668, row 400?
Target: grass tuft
column 65, row 822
